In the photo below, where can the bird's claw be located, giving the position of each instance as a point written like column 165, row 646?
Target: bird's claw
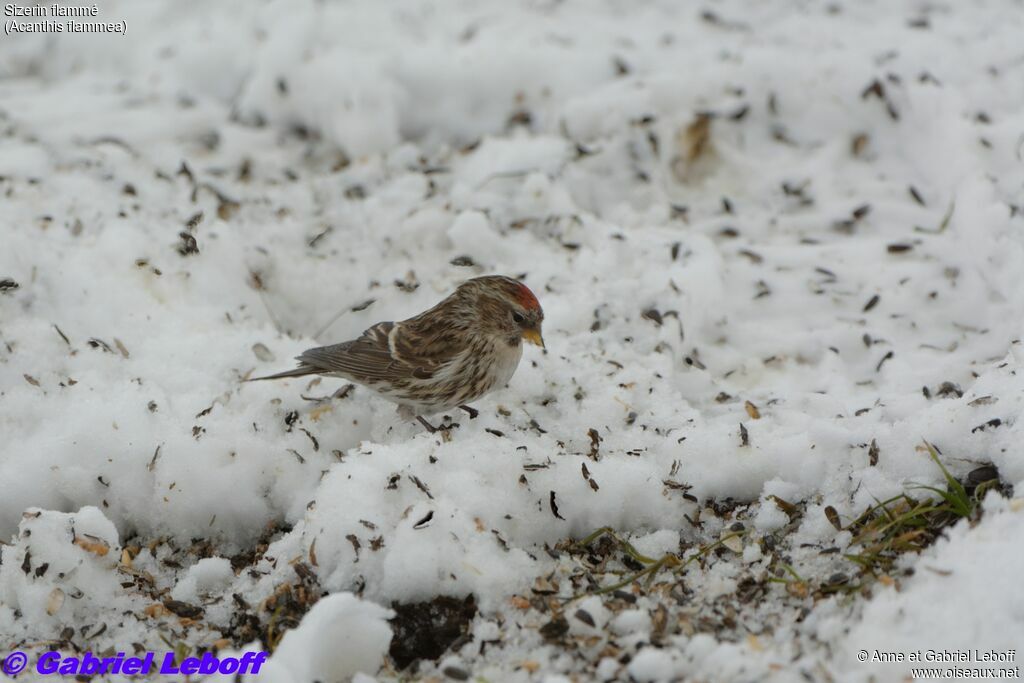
column 473, row 412
column 445, row 427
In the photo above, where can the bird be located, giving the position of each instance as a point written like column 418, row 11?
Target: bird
column 450, row 355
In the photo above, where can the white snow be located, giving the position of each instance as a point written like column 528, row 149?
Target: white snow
column 339, row 638
column 367, row 157
column 58, row 570
column 208, row 576
column 652, row 664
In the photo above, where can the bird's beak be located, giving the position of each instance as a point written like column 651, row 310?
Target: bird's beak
column 532, row 335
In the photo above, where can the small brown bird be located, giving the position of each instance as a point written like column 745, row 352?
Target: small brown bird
column 456, row 352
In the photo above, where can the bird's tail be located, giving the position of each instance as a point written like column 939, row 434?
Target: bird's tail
column 300, row 371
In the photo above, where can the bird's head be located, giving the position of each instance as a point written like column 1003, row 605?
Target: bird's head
column 505, row 307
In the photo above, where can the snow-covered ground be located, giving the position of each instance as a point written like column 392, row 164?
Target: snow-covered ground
column 778, row 246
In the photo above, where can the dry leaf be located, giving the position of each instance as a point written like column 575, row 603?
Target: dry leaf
column 798, row 589
column 695, row 139
column 733, row 542
column 96, row 546
column 156, row 610
column 859, row 144
column 55, row 601
column 694, row 144
column 319, row 411
column 752, row 411
column 519, row 602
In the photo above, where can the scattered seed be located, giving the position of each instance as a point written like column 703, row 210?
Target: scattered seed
column 584, row 616
column 753, row 256
column 859, row 144
column 887, row 356
column 985, row 425
column 100, row 344
column 262, row 352
column 833, row 517
column 595, row 443
column 363, row 306
column 62, row 335
column 421, row 486
column 188, row 245
column 455, row 673
column 980, row 475
column 785, row 505
column 554, row 629
column 316, row 444
column 183, row 609
column 319, row 236
column 554, row 506
column 740, row 113
column 424, row 521
column 653, row 315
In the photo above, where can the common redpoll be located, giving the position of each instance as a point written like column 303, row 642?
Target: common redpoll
column 456, row 352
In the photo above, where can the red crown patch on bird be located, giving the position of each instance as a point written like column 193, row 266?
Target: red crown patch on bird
column 525, row 297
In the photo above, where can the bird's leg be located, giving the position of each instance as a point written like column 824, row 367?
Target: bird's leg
column 408, row 413
column 429, row 427
column 473, row 412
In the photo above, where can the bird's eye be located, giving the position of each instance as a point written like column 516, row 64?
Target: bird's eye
column 517, row 318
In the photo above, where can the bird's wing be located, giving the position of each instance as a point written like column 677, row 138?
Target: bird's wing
column 377, row 355
column 367, row 358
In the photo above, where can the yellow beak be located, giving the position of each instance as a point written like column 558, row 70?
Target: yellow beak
column 533, row 336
